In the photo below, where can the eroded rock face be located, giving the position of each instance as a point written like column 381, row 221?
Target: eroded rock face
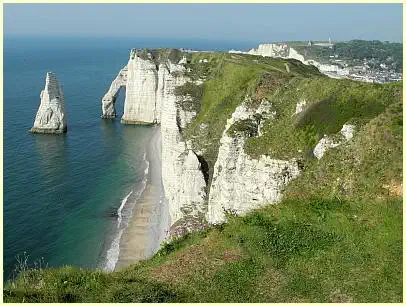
column 51, row 117
column 300, row 106
column 348, row 131
column 241, row 183
column 183, row 179
column 323, row 145
column 143, row 91
column 327, row 142
column 145, row 80
column 326, row 69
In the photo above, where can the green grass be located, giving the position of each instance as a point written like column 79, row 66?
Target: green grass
column 300, row 251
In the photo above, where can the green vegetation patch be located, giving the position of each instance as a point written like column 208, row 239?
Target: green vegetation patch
column 189, row 96
column 330, row 104
column 246, row 127
column 161, row 55
column 370, row 164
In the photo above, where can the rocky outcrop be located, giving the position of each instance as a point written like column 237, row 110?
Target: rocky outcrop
column 300, row 106
column 329, row 142
column 348, row 131
column 109, row 99
column 323, row 68
column 323, row 145
column 51, row 117
column 241, row 183
column 142, row 79
column 145, row 79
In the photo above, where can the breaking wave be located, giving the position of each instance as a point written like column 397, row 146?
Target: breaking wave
column 124, row 214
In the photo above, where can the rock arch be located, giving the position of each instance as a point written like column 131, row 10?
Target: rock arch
column 109, row 99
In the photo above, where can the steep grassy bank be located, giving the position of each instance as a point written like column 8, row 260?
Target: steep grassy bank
column 335, row 237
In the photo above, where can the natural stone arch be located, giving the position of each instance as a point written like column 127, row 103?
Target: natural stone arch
column 109, row 99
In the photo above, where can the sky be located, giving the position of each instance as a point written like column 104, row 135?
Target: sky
column 231, row 22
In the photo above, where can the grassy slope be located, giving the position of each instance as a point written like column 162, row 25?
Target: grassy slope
column 336, row 239
column 330, row 104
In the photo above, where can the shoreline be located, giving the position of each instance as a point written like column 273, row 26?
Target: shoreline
column 149, row 221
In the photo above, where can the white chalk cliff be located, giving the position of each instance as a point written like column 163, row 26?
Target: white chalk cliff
column 241, row 183
column 150, row 98
column 284, row 51
column 184, row 184
column 51, row 117
column 271, row 50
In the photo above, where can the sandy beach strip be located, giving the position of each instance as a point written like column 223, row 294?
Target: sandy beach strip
column 150, row 217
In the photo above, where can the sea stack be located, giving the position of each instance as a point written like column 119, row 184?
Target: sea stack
column 51, row 118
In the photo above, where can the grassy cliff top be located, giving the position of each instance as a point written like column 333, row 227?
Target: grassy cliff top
column 160, row 55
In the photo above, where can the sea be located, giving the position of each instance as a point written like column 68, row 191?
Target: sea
column 65, row 195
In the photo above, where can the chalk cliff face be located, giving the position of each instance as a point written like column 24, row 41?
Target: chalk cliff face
column 271, row 50
column 184, row 184
column 150, row 98
column 326, row 69
column 141, row 96
column 241, row 183
column 51, row 117
column 284, row 51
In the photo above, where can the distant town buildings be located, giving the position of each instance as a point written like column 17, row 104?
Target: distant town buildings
column 370, row 70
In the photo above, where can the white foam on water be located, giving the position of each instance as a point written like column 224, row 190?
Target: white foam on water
column 119, row 215
column 113, row 252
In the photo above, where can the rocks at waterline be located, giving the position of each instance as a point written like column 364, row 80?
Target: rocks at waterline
column 51, row 117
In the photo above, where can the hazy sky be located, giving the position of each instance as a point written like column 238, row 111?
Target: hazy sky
column 233, row 22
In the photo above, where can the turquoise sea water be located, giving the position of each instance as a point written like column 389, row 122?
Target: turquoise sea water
column 62, row 193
